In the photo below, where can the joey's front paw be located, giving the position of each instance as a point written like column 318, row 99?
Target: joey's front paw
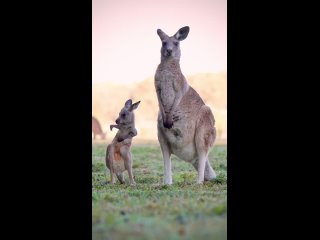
column 133, row 133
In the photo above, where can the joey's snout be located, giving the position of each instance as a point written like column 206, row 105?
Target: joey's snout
column 169, row 52
column 117, row 121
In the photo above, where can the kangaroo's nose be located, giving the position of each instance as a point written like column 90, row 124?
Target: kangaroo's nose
column 117, row 121
column 169, row 51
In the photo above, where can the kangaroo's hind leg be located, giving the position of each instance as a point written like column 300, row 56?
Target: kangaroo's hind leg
column 127, row 157
column 109, row 162
column 204, row 139
column 166, row 155
column 209, row 173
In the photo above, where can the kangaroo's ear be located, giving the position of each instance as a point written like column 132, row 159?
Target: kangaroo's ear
column 128, row 103
column 162, row 35
column 182, row 33
column 134, row 106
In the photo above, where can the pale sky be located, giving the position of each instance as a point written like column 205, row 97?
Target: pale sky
column 126, row 47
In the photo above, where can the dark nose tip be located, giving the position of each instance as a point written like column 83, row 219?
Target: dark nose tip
column 169, row 51
column 117, row 121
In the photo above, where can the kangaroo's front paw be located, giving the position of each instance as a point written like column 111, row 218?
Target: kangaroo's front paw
column 168, row 122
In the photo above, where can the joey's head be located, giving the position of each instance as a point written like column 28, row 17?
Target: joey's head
column 126, row 115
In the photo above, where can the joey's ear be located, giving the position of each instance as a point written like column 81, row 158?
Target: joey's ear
column 134, row 106
column 182, row 33
column 128, row 104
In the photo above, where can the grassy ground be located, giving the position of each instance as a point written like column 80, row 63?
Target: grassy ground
column 150, row 210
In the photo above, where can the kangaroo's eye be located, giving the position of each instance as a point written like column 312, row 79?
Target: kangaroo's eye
column 164, row 44
column 123, row 115
column 176, row 43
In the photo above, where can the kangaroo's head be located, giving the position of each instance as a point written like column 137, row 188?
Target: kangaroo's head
column 126, row 115
column 125, row 121
column 170, row 45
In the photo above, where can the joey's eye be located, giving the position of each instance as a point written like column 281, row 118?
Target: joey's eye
column 176, row 43
column 123, row 115
column 164, row 44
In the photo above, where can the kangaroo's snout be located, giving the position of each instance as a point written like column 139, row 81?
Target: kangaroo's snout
column 169, row 51
column 117, row 121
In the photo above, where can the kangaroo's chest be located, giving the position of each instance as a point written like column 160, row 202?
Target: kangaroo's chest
column 165, row 84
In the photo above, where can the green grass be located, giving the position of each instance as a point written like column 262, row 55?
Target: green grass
column 151, row 210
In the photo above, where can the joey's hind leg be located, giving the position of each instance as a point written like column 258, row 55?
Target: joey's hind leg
column 120, row 177
column 113, row 177
column 109, row 162
column 127, row 157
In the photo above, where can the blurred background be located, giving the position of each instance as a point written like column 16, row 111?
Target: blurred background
column 126, row 53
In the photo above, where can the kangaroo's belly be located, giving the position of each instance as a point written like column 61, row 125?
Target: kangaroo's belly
column 187, row 153
column 118, row 161
column 180, row 138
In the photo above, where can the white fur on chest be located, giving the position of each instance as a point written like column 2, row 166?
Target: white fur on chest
column 165, row 80
column 118, row 161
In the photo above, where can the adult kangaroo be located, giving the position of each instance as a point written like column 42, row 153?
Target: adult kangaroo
column 186, row 126
column 96, row 129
